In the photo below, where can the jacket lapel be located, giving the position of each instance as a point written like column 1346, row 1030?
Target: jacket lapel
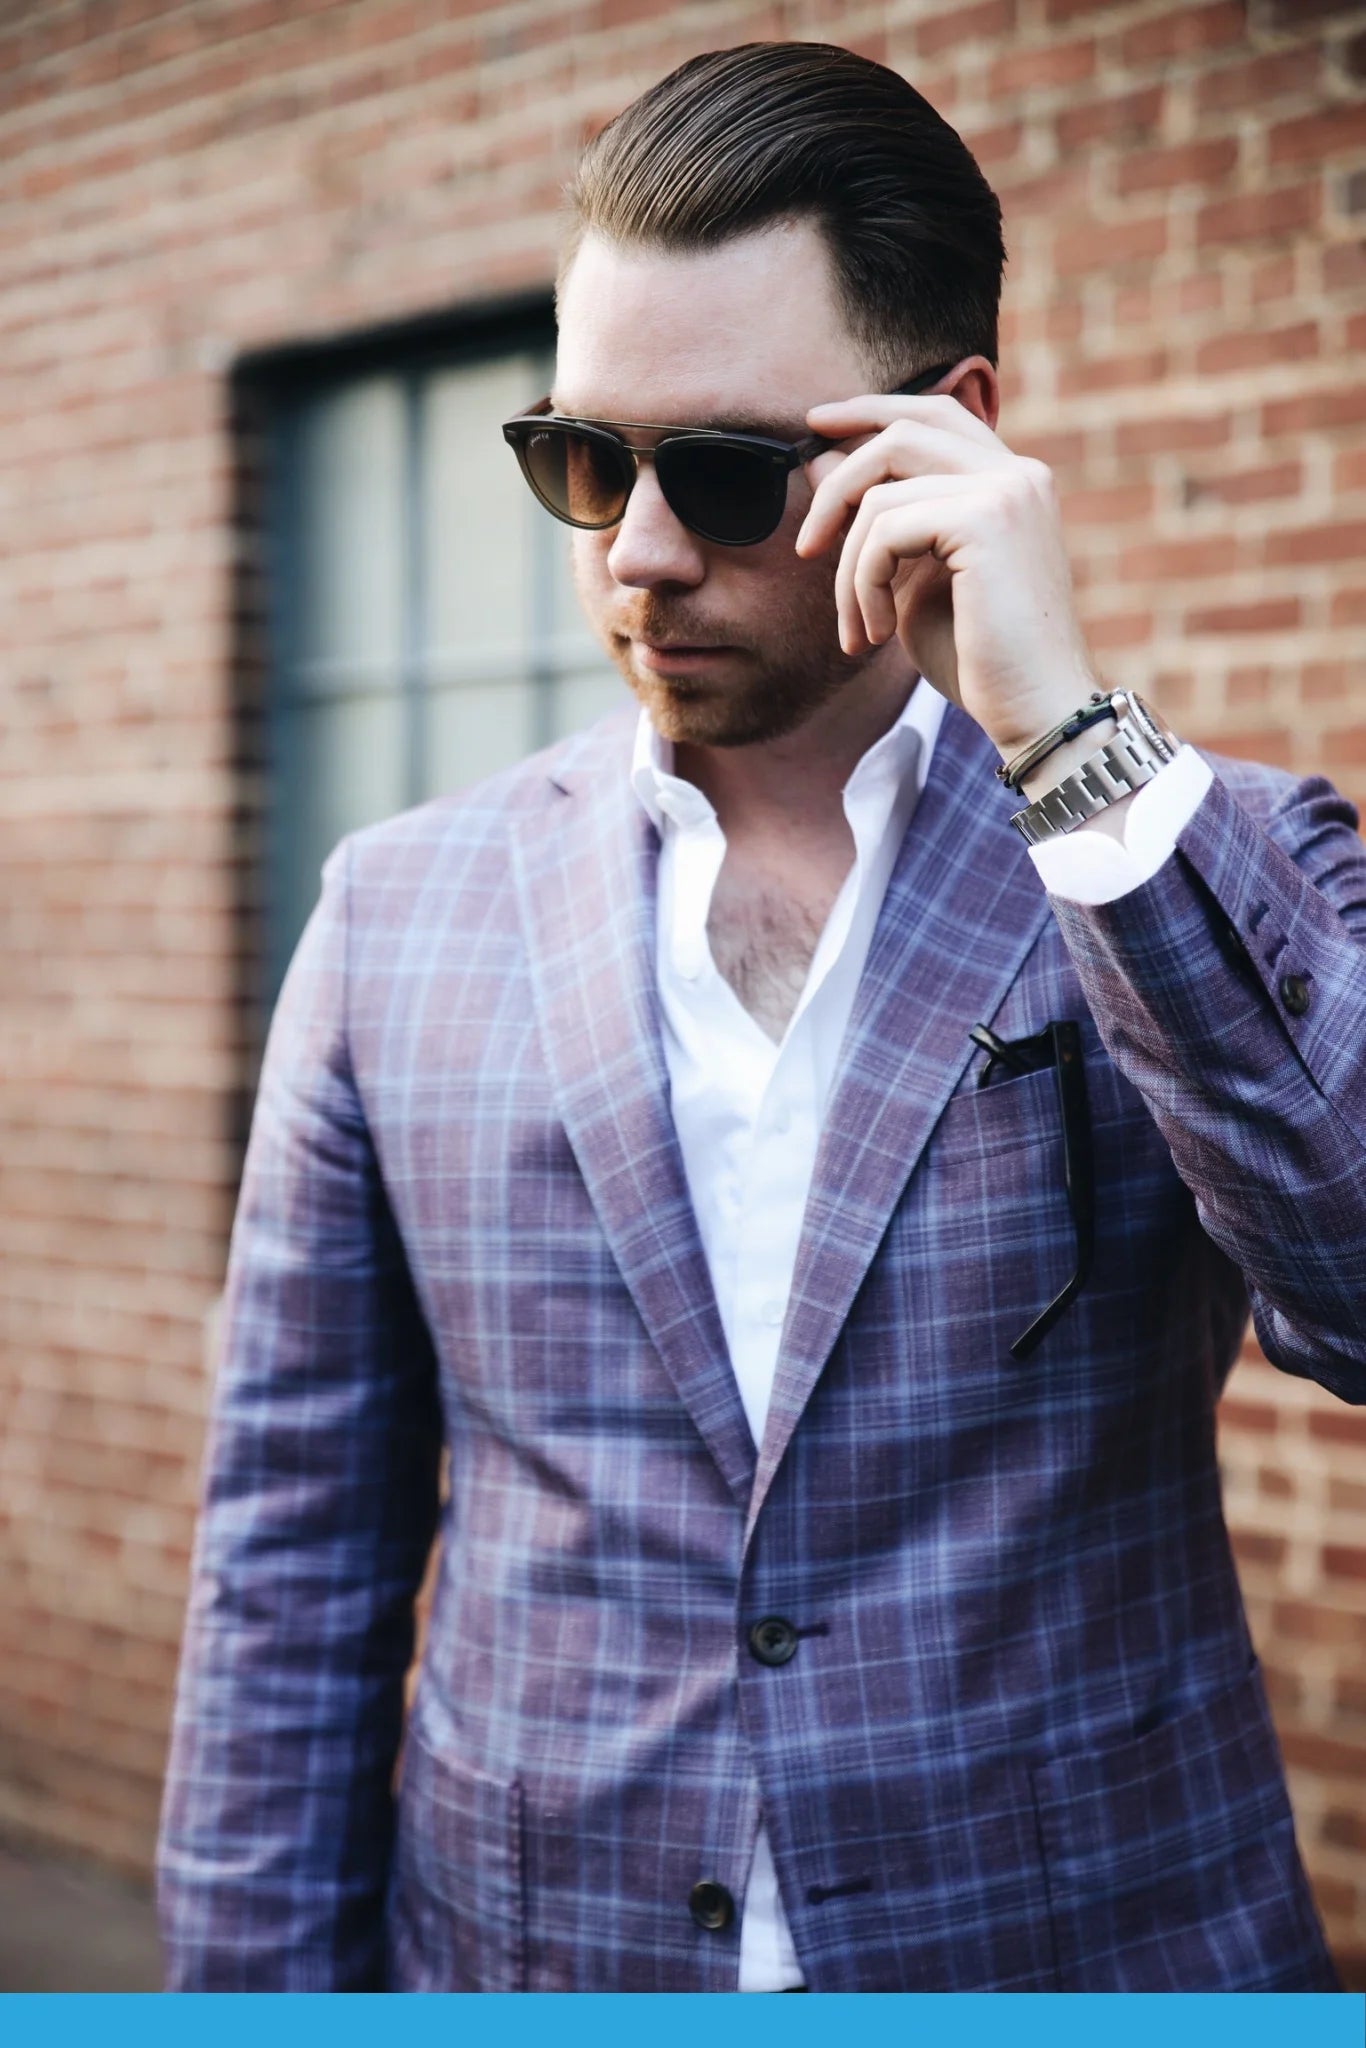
column 585, row 862
column 962, row 909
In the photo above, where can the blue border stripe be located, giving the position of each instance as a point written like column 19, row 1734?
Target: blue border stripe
column 1003, row 2020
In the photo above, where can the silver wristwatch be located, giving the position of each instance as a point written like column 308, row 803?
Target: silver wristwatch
column 1128, row 759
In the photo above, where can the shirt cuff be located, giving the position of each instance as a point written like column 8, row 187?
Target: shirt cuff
column 1088, row 865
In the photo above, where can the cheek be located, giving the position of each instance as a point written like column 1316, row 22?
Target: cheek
column 588, row 567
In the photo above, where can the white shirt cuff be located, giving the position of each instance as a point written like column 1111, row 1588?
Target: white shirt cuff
column 1089, row 865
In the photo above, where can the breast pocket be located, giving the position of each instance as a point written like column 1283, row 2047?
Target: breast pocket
column 456, row 1910
column 1171, row 1859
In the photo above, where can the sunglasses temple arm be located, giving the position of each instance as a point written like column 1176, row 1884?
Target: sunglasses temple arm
column 1079, row 1174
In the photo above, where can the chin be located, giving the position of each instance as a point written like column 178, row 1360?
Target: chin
column 705, row 716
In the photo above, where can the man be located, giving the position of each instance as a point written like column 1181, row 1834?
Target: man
column 818, row 1225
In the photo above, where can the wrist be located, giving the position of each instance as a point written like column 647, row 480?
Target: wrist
column 1069, row 755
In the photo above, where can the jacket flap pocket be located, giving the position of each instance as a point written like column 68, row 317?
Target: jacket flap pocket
column 1134, row 1813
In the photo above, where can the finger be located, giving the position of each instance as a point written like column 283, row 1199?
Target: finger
column 876, row 550
column 906, row 449
column 884, row 497
column 841, row 416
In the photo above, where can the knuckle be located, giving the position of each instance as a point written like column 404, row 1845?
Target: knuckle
column 1037, row 475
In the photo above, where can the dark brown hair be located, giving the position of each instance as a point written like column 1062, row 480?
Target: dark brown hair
column 735, row 140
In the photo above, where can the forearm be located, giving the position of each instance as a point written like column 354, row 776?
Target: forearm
column 1196, row 981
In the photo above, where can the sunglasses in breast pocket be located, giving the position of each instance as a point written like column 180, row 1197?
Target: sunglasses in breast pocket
column 725, row 487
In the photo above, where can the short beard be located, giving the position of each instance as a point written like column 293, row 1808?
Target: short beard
column 770, row 701
column 770, row 691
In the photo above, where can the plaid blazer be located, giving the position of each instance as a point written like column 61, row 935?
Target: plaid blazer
column 1022, row 1740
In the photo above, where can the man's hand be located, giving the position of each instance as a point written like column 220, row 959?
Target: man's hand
column 956, row 547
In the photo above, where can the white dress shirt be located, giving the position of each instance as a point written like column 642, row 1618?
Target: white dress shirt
column 748, row 1112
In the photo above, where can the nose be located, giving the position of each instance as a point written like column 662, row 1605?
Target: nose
column 652, row 545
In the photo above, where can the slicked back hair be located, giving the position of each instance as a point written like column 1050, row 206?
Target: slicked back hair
column 736, row 140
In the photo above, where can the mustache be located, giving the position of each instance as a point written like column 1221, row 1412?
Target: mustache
column 672, row 628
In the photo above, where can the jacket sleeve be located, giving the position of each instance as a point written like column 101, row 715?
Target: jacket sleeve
column 1231, row 989
column 318, row 1511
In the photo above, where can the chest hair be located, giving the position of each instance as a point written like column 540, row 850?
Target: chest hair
column 762, row 939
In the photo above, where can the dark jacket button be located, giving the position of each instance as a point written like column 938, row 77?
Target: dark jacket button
column 711, row 1905
column 773, row 1640
column 1295, row 994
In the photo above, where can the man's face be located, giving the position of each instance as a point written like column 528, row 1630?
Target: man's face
column 738, row 335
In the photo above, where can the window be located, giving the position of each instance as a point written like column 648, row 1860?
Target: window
column 423, row 628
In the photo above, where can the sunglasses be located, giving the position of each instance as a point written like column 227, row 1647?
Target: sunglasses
column 724, row 487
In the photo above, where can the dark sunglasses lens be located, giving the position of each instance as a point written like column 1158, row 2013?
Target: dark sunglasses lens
column 577, row 476
column 730, row 494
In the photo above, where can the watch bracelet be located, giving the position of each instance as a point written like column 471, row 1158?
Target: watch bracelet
column 1128, row 759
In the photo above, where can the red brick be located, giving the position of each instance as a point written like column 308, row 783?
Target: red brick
column 1107, row 504
column 1102, row 245
column 1173, row 433
column 1344, row 1828
column 1266, row 743
column 1308, row 411
column 1122, row 117
column 1286, row 74
column 1251, row 350
column 1344, row 266
column 1338, row 541
column 1328, row 131
column 1114, row 373
column 1257, row 1418
column 1023, row 71
column 1303, row 1748
column 1324, row 682
column 1187, row 163
column 1257, row 1547
column 1256, row 215
column 1248, row 486
column 961, row 27
column 1348, row 608
column 1120, row 629
column 1272, row 615
column 1181, row 561
column 1183, row 31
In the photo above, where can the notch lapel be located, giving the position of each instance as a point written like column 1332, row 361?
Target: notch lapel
column 963, row 907
column 585, row 864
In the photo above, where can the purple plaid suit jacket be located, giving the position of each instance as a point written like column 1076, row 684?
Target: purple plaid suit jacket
column 1023, row 1741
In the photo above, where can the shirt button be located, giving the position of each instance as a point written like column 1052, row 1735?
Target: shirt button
column 782, row 1122
column 711, row 1905
column 772, row 1312
column 1295, row 994
column 773, row 1640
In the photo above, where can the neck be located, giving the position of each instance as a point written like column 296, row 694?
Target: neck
column 794, row 786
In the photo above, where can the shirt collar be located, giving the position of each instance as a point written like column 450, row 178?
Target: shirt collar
column 904, row 748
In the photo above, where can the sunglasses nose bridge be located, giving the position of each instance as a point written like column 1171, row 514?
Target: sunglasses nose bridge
column 651, row 540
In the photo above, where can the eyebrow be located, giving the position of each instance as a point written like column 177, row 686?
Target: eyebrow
column 736, row 422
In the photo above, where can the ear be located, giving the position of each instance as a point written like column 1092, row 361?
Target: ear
column 977, row 386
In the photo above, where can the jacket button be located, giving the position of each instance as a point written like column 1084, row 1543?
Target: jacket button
column 711, row 1905
column 773, row 1640
column 1295, row 994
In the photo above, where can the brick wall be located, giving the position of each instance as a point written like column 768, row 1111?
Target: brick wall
column 1184, row 341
